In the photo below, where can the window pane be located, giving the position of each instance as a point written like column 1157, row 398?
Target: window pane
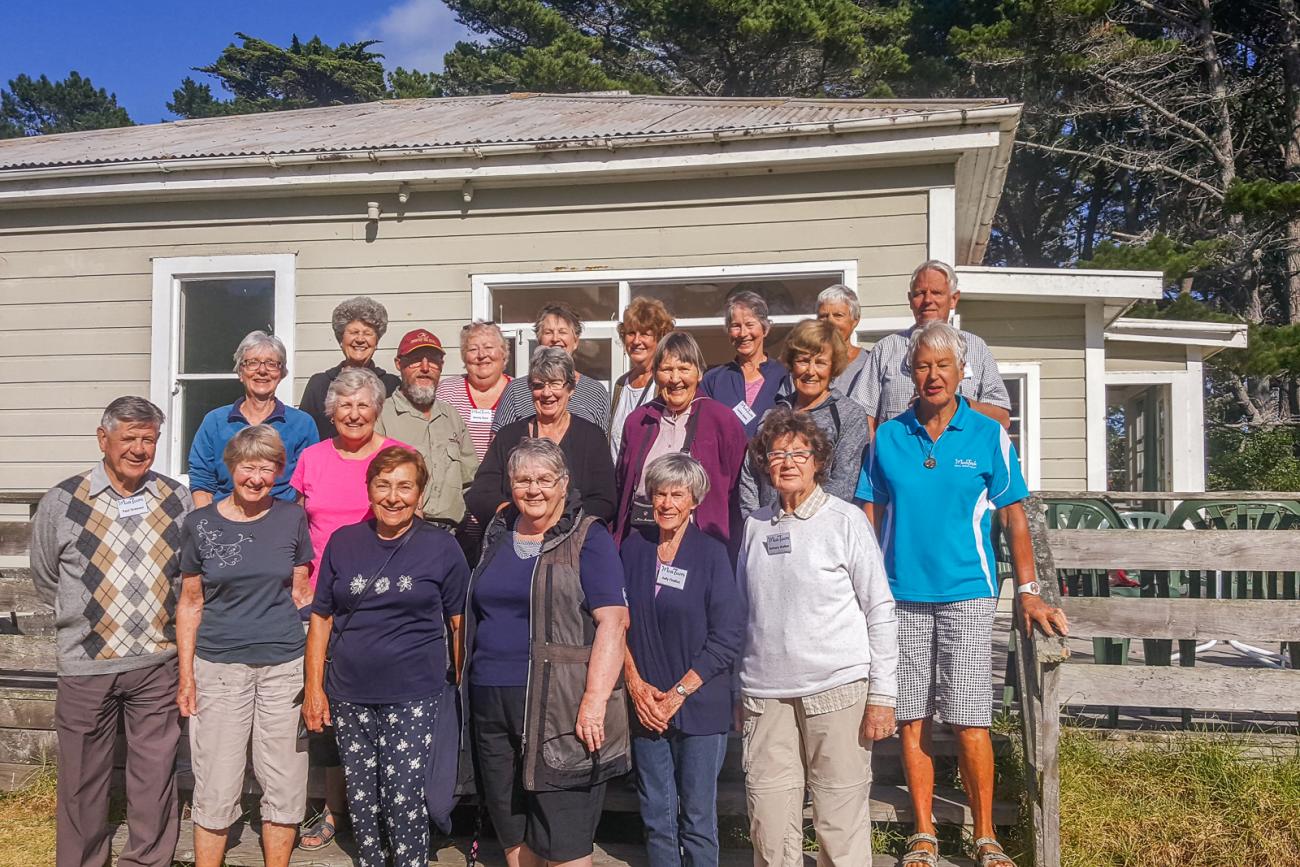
column 1014, row 386
column 217, row 314
column 594, row 302
column 717, row 348
column 197, row 398
column 594, row 358
column 792, row 296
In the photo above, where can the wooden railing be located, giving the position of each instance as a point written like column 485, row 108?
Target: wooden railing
column 1049, row 681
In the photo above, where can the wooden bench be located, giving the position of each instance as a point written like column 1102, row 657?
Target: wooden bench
column 1049, row 681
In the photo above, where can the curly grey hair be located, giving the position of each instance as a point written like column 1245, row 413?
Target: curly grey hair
column 131, row 410
column 934, row 265
column 261, row 340
column 939, row 336
column 840, row 294
column 359, row 309
column 753, row 302
column 551, row 362
column 677, row 469
column 537, row 450
column 350, row 381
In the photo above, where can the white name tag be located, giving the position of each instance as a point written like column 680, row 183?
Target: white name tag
column 743, row 412
column 129, row 507
column 777, row 543
column 670, row 576
column 481, row 416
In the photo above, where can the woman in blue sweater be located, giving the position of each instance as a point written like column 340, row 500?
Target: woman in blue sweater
column 687, row 628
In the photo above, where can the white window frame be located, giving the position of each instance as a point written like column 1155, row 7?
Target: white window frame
column 168, row 274
column 1031, row 451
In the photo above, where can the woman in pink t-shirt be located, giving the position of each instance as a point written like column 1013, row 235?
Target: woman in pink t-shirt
column 331, row 476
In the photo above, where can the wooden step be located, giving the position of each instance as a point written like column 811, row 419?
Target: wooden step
column 245, row 851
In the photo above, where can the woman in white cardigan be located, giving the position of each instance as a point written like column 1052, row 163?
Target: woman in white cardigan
column 818, row 672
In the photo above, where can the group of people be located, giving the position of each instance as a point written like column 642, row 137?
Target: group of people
column 562, row 584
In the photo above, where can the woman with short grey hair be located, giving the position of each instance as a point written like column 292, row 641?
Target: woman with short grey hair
column 551, row 380
column 477, row 392
column 838, row 305
column 262, row 364
column 359, row 324
column 750, row 383
column 687, row 628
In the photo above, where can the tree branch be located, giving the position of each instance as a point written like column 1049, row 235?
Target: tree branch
column 1197, row 133
column 1157, row 168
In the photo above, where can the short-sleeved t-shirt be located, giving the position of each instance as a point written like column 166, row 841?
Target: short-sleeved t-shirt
column 500, row 600
column 335, row 492
column 936, row 534
column 247, row 568
column 393, row 649
column 885, row 388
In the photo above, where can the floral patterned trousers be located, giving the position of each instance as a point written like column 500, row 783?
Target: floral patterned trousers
column 386, row 750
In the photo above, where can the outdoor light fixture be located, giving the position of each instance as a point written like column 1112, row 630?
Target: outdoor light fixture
column 372, row 211
column 403, row 194
column 467, row 192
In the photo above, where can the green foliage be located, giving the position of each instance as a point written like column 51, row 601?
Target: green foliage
column 192, row 99
column 713, row 47
column 1263, row 198
column 1273, row 350
column 1260, row 459
column 1176, row 259
column 38, row 106
column 412, row 84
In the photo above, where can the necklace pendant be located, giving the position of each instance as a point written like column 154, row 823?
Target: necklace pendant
column 930, row 463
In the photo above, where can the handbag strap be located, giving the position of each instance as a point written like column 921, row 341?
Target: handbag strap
column 415, row 528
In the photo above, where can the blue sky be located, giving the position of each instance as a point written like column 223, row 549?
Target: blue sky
column 141, row 49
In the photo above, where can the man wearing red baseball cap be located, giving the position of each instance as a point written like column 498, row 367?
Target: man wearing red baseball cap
column 414, row 415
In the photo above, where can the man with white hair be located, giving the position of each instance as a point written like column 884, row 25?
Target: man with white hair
column 885, row 387
column 105, row 554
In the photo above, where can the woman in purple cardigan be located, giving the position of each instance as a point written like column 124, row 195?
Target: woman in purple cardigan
column 680, row 419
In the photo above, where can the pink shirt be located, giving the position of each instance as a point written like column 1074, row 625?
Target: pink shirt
column 752, row 389
column 335, row 492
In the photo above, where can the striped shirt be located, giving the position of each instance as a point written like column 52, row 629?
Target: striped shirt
column 590, row 401
column 885, row 388
column 478, row 420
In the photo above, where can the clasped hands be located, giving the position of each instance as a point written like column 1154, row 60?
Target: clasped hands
column 654, row 707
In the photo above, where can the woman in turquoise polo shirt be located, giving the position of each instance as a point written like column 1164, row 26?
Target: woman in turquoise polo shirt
column 935, row 475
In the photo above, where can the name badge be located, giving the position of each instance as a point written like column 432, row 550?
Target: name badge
column 480, row 416
column 777, row 543
column 129, row 507
column 670, row 576
column 743, row 412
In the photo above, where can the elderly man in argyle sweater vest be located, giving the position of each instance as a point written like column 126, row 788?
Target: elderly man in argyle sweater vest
column 104, row 553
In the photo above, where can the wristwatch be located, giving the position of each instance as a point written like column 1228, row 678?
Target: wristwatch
column 1033, row 588
column 680, row 690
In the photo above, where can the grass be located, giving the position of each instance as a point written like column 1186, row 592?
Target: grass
column 27, row 817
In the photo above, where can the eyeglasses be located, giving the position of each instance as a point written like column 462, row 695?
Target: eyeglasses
column 800, row 457
column 250, row 364
column 546, row 483
column 552, row 384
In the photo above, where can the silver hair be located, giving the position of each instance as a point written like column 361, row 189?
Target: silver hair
column 538, row 450
column 939, row 336
column 475, row 327
column 934, row 265
column 751, row 301
column 261, row 340
column 359, row 309
column 551, row 362
column 351, row 380
column 559, row 311
column 131, row 410
column 840, row 294
column 679, row 345
column 674, row 469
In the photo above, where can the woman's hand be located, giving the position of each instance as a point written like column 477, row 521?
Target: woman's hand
column 315, row 709
column 668, row 704
column 1050, row 619
column 590, row 727
column 877, row 722
column 647, row 709
column 186, row 698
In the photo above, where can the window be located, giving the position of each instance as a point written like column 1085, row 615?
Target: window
column 695, row 296
column 1022, row 382
column 202, row 308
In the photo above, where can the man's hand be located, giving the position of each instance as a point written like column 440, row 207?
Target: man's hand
column 1033, row 610
column 186, row 699
column 315, row 710
column 878, row 722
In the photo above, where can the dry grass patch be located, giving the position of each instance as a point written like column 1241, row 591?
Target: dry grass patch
column 27, row 823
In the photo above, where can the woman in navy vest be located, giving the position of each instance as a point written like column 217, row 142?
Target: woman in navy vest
column 749, row 384
column 687, row 628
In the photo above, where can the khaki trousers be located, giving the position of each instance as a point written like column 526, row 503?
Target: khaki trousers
column 785, row 750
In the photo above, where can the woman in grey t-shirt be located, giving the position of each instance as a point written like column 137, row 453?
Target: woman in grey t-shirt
column 244, row 567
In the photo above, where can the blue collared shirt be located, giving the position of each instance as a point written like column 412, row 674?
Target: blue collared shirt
column 208, row 471
column 936, row 532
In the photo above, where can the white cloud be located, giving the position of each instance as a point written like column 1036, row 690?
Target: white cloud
column 415, row 34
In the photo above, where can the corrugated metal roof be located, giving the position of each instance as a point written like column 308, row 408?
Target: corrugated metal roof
column 526, row 119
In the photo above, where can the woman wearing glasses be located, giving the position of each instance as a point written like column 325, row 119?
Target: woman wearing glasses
column 545, row 627
column 551, row 380
column 260, row 362
column 818, row 674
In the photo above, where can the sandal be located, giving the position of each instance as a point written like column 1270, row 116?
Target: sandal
column 922, row 856
column 991, row 859
column 317, row 826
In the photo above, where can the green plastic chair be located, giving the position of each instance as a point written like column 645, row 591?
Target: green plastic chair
column 1145, row 520
column 1090, row 514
